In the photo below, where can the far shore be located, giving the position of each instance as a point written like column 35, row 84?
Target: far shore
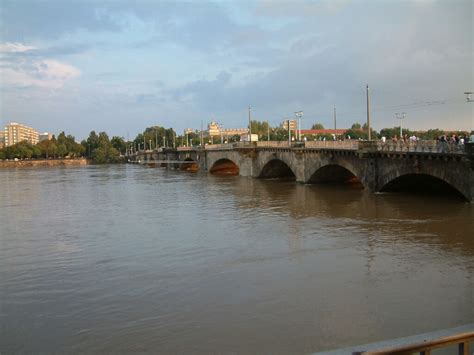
column 32, row 163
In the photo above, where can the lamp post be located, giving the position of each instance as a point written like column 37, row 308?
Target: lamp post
column 250, row 126
column 202, row 143
column 299, row 114
column 401, row 116
column 368, row 113
column 289, row 133
column 468, row 96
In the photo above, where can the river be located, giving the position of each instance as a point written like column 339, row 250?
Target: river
column 126, row 259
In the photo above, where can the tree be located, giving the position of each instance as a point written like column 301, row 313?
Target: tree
column 317, row 126
column 431, row 134
column 279, row 134
column 92, row 143
column 355, row 126
column 119, row 144
column 165, row 137
column 48, row 148
column 260, row 128
column 62, row 150
column 99, row 155
column 355, row 134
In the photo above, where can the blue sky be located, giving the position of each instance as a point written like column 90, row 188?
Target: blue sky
column 121, row 66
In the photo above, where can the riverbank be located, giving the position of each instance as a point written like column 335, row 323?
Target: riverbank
column 33, row 163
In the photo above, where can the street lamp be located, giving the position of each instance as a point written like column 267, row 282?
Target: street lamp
column 250, row 126
column 468, row 96
column 401, row 116
column 299, row 114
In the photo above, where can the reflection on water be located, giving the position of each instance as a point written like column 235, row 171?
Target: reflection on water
column 127, row 258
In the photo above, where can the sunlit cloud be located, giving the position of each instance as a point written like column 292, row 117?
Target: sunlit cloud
column 14, row 47
column 48, row 73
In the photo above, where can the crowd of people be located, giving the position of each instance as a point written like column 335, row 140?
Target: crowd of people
column 456, row 139
column 444, row 139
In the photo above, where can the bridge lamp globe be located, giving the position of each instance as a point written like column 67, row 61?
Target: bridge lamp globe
column 468, row 96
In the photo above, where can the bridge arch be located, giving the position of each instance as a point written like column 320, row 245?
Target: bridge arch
column 335, row 173
column 421, row 184
column 190, row 165
column 277, row 169
column 224, row 166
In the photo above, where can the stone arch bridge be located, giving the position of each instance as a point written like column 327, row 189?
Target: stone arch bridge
column 377, row 167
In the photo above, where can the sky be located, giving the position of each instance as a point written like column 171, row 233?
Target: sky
column 122, row 66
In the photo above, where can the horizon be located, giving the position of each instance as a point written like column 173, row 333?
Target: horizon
column 120, row 68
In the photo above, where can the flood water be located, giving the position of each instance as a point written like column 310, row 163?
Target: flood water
column 132, row 259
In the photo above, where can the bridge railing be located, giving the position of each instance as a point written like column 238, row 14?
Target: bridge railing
column 459, row 337
column 218, row 146
column 272, row 144
column 347, row 144
column 421, row 147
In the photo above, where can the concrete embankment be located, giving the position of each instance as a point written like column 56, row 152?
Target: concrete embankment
column 42, row 163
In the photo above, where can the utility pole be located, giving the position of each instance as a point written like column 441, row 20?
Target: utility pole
column 144, row 144
column 156, row 139
column 150, row 145
column 335, row 125
column 268, row 131
column 250, row 126
column 401, row 117
column 368, row 113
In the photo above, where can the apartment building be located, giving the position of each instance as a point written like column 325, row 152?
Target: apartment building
column 292, row 122
column 17, row 132
column 45, row 136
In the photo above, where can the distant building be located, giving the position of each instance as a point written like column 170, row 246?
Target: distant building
column 45, row 136
column 2, row 139
column 189, row 131
column 17, row 132
column 246, row 137
column 214, row 129
column 292, row 122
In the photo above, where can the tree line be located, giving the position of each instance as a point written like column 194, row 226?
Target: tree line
column 99, row 148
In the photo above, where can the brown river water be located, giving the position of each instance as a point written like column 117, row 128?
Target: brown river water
column 133, row 259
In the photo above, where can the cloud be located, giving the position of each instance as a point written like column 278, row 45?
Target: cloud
column 47, row 73
column 9, row 47
column 25, row 20
column 299, row 8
